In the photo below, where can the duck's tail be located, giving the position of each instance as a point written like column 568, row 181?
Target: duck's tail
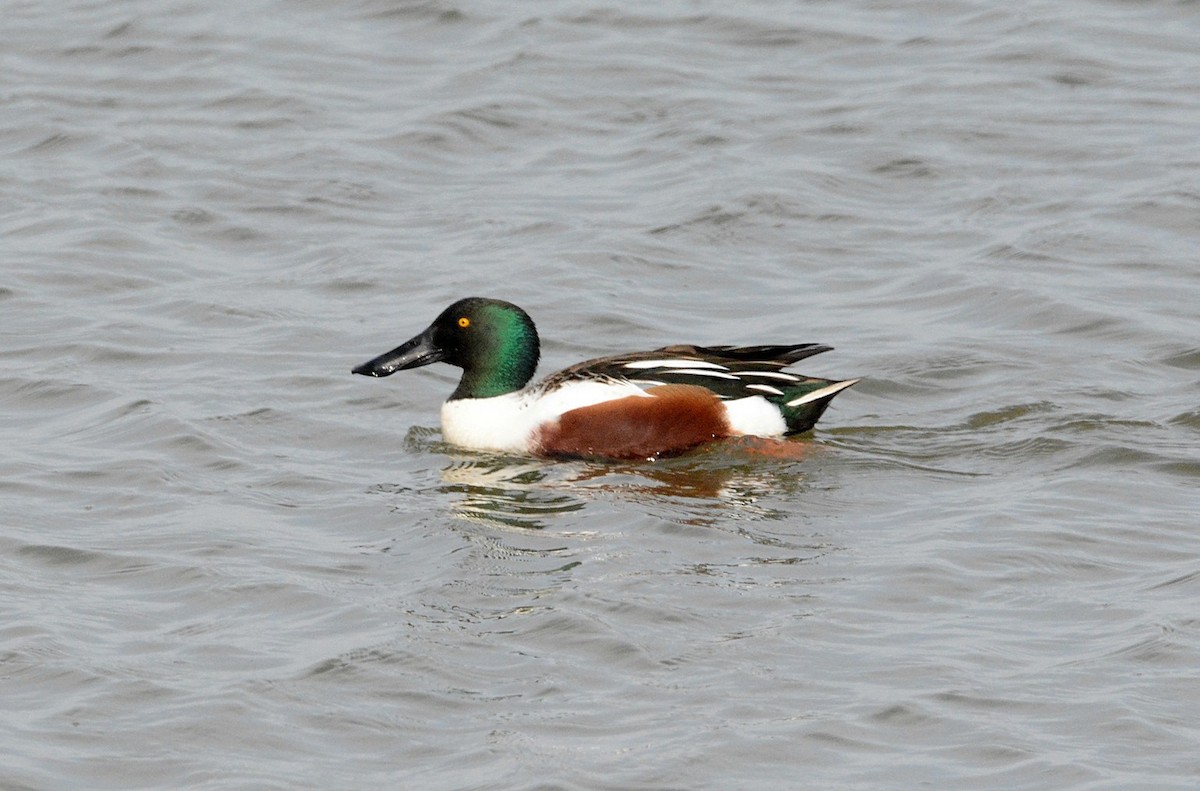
column 803, row 404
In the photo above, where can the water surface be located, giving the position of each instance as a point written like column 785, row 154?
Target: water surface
column 226, row 563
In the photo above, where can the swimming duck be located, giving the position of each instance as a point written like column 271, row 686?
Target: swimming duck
column 628, row 406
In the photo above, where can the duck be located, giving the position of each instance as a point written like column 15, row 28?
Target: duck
column 638, row 405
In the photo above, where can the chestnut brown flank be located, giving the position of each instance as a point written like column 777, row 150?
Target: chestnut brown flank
column 673, row 419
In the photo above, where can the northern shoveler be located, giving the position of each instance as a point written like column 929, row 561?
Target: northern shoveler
column 636, row 405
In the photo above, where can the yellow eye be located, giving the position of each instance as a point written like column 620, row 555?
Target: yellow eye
column 464, row 322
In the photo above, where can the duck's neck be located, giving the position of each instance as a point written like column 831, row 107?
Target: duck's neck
column 506, row 372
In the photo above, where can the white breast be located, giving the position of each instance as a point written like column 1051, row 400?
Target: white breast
column 507, row 423
column 501, row 423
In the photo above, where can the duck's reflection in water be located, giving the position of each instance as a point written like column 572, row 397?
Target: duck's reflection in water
column 722, row 481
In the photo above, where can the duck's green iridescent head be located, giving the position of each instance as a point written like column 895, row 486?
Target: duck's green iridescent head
column 494, row 342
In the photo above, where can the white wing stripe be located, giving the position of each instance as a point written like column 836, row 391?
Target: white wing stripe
column 765, row 389
column 769, row 375
column 674, row 364
column 709, row 374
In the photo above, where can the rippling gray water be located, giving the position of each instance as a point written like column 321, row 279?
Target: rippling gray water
column 226, row 563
